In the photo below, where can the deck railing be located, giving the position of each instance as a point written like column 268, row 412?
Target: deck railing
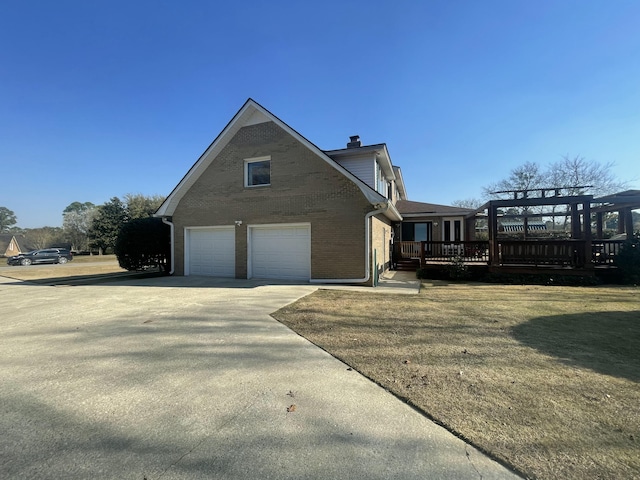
column 542, row 252
column 572, row 253
column 605, row 251
column 474, row 251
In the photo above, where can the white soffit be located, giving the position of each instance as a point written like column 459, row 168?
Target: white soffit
column 256, row 118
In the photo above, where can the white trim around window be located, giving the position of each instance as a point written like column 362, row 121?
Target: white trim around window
column 257, row 178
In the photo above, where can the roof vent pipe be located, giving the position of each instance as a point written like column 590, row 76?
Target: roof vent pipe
column 354, row 142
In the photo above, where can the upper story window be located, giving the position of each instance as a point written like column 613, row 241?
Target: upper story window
column 381, row 182
column 257, row 172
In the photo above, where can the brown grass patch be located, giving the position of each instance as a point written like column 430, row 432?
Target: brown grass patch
column 80, row 266
column 545, row 379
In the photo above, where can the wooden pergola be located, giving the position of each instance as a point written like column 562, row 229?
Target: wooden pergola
column 624, row 203
column 522, row 199
column 530, row 247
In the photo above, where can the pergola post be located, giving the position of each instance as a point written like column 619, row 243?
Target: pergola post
column 621, row 221
column 470, row 229
column 576, row 229
column 493, row 235
column 628, row 222
column 599, row 224
column 588, row 254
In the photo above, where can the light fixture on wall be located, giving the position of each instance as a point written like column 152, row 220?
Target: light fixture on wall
column 435, row 224
column 238, row 223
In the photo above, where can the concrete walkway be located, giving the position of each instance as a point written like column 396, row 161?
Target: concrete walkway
column 190, row 378
column 391, row 282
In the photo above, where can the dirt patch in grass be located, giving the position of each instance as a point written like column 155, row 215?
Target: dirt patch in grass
column 545, row 379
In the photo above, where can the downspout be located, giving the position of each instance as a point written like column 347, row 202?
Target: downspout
column 171, row 227
column 381, row 208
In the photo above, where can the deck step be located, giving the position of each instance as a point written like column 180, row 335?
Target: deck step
column 408, row 264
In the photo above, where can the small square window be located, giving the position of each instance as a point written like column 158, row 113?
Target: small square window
column 257, row 172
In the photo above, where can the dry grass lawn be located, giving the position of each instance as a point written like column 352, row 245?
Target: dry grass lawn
column 545, row 379
column 80, row 266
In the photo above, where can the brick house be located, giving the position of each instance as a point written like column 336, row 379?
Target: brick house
column 264, row 202
column 11, row 244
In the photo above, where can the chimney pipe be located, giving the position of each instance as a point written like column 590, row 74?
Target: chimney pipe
column 354, row 142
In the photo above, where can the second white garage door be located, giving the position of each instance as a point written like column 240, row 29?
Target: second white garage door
column 282, row 252
column 212, row 252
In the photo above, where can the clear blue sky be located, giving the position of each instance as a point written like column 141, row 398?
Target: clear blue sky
column 103, row 98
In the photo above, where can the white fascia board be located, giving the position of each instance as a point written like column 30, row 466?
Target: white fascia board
column 385, row 163
column 400, row 182
column 169, row 205
column 245, row 116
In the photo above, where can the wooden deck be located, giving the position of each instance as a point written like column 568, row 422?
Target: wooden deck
column 513, row 255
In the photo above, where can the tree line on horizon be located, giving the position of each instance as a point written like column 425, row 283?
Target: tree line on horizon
column 85, row 227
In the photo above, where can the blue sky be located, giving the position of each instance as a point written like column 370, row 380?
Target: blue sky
column 99, row 99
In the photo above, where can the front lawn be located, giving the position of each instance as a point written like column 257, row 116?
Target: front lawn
column 544, row 379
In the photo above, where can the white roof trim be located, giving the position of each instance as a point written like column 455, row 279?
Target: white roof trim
column 251, row 113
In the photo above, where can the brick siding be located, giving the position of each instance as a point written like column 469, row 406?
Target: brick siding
column 304, row 188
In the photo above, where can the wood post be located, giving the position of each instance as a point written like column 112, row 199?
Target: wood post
column 493, row 235
column 621, row 221
column 599, row 224
column 628, row 222
column 576, row 229
column 588, row 249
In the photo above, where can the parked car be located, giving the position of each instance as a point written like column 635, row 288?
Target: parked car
column 47, row 255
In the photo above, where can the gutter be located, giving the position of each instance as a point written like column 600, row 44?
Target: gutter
column 380, row 208
column 168, row 222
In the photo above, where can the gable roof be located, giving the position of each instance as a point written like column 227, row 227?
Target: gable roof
column 252, row 113
column 5, row 240
column 408, row 208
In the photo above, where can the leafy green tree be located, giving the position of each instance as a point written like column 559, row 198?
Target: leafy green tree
column 106, row 224
column 141, row 206
column 7, row 219
column 142, row 243
column 76, row 222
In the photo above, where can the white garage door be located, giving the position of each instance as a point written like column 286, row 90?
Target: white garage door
column 212, row 252
column 282, row 252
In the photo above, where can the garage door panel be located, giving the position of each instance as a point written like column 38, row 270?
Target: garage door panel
column 212, row 252
column 281, row 252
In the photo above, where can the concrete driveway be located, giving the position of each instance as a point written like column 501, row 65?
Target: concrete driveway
column 190, row 378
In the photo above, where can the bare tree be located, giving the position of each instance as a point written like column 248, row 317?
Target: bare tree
column 76, row 221
column 576, row 176
column 471, row 203
column 525, row 177
column 583, row 177
column 597, row 178
column 44, row 237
